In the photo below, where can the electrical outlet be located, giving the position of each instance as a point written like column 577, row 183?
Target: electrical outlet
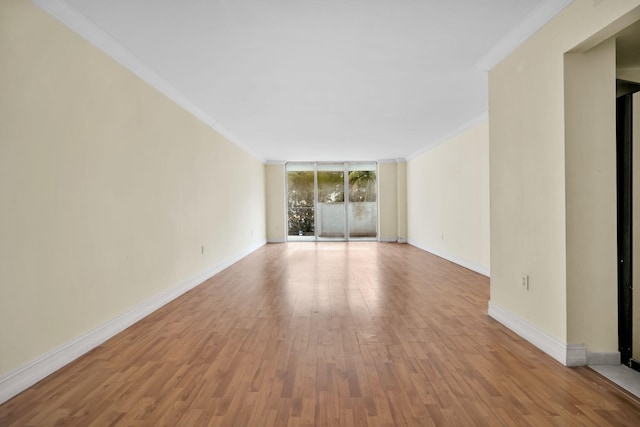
column 203, row 249
column 524, row 283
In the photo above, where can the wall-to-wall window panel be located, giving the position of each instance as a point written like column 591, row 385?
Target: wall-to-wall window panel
column 332, row 201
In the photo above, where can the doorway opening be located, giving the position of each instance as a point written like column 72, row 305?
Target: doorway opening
column 628, row 197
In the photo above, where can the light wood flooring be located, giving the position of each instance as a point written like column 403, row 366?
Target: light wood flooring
column 327, row 334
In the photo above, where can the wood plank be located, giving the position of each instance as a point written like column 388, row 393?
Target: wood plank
column 354, row 334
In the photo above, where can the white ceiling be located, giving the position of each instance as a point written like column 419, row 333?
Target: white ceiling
column 316, row 80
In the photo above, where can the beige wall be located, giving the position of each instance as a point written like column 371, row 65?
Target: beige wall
column 529, row 194
column 276, row 203
column 388, row 201
column 448, row 199
column 109, row 190
column 590, row 177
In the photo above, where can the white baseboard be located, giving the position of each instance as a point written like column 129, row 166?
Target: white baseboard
column 381, row 239
column 576, row 355
column 277, row 241
column 612, row 358
column 23, row 377
column 392, row 240
column 449, row 257
column 567, row 354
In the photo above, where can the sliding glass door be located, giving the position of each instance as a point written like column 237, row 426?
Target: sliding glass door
column 332, row 201
column 363, row 200
column 301, row 201
column 330, row 204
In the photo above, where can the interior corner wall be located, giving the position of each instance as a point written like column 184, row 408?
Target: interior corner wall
column 276, row 203
column 402, row 201
column 448, row 199
column 111, row 193
column 527, row 157
column 590, row 177
column 388, row 201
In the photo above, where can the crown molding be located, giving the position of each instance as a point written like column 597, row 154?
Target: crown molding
column 535, row 20
column 465, row 127
column 231, row 137
column 387, row 161
column 87, row 29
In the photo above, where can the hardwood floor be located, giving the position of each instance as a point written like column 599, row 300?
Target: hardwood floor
column 304, row 334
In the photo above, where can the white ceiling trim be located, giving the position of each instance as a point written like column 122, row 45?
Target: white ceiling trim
column 535, row 20
column 69, row 16
column 231, row 137
column 471, row 123
column 65, row 13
